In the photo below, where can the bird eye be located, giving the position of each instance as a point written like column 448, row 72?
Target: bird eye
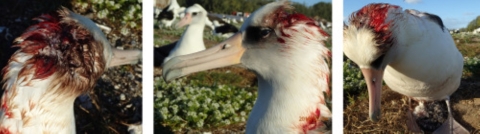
column 265, row 32
column 194, row 13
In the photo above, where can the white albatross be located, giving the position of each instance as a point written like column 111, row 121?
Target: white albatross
column 192, row 39
column 59, row 58
column 220, row 27
column 288, row 54
column 412, row 51
column 168, row 15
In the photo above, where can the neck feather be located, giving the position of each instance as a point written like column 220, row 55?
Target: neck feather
column 291, row 100
column 191, row 41
column 29, row 107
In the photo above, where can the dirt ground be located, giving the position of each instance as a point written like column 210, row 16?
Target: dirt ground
column 466, row 107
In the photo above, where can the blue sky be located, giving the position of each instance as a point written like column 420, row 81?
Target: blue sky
column 454, row 13
column 310, row 2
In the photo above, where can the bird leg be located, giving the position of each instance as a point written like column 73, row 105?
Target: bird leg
column 411, row 121
column 451, row 126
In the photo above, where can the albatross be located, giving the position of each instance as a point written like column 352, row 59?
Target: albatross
column 168, row 15
column 288, row 54
column 412, row 51
column 59, row 58
column 192, row 39
column 220, row 27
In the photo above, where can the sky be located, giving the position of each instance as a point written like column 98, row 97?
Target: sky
column 310, row 2
column 454, row 13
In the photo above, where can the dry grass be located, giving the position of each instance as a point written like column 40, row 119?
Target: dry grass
column 395, row 107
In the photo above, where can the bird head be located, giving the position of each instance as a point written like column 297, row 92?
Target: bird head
column 367, row 40
column 67, row 46
column 193, row 15
column 270, row 42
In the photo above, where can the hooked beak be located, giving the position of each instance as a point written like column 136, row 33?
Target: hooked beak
column 122, row 57
column 373, row 78
column 185, row 20
column 226, row 53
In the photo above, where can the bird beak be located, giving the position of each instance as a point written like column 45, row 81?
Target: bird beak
column 374, row 78
column 122, row 57
column 185, row 20
column 228, row 52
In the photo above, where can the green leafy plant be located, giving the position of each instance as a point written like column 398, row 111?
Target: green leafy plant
column 354, row 84
column 125, row 12
column 190, row 105
column 471, row 67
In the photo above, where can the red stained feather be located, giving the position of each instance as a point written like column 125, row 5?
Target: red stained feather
column 327, row 78
column 52, row 17
column 4, row 131
column 284, row 34
column 377, row 14
column 44, row 67
column 280, row 40
column 311, row 121
column 40, row 40
column 45, row 21
column 4, row 107
column 34, row 46
column 323, row 32
column 50, row 26
column 290, row 20
column 52, row 47
column 374, row 16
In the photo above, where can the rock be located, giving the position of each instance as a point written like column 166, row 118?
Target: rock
column 122, row 97
column 476, row 101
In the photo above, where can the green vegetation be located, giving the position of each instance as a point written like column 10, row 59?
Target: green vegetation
column 321, row 9
column 469, row 46
column 474, row 24
column 204, row 100
column 190, row 105
column 354, row 84
column 120, row 12
column 471, row 67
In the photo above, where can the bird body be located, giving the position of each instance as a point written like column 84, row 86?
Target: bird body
column 435, row 79
column 193, row 36
column 192, row 39
column 288, row 54
column 220, row 27
column 29, row 112
column 411, row 50
column 422, row 44
column 226, row 30
column 58, row 59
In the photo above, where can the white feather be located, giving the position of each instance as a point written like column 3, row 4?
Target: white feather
column 192, row 39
